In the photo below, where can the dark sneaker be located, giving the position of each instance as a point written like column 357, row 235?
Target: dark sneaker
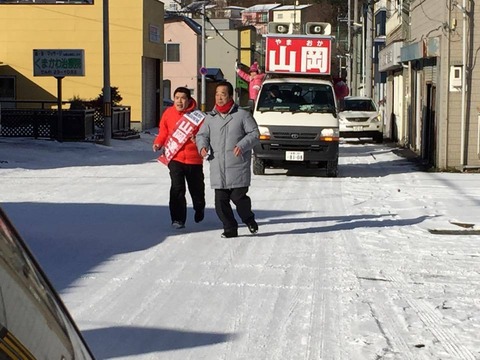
column 230, row 233
column 178, row 225
column 252, row 226
column 199, row 215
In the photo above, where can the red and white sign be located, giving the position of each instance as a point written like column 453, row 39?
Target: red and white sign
column 301, row 54
column 184, row 130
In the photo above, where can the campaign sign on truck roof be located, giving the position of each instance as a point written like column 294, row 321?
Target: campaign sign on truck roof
column 184, row 130
column 301, row 54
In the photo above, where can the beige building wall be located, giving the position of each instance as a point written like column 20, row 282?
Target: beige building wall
column 34, row 26
column 186, row 71
column 429, row 21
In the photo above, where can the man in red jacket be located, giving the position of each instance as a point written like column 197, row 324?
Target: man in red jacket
column 186, row 165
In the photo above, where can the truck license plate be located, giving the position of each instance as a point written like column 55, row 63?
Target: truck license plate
column 357, row 128
column 294, row 155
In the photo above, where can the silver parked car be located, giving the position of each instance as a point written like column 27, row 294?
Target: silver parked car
column 34, row 322
column 360, row 117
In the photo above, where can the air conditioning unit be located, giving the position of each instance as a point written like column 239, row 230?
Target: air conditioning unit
column 280, row 28
column 318, row 28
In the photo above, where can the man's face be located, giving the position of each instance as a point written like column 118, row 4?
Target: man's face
column 180, row 101
column 221, row 95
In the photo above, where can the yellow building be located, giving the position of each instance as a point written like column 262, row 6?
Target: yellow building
column 136, row 52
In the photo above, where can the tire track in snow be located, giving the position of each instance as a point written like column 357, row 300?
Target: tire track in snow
column 361, row 195
column 114, row 285
column 427, row 314
column 326, row 336
column 433, row 320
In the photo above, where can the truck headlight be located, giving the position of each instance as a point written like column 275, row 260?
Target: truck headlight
column 264, row 133
column 377, row 118
column 329, row 134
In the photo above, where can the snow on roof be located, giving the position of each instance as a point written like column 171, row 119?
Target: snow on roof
column 235, row 8
column 292, row 7
column 261, row 7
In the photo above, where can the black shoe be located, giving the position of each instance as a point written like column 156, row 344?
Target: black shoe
column 178, row 225
column 252, row 226
column 199, row 215
column 230, row 233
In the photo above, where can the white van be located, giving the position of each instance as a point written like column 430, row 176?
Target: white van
column 297, row 118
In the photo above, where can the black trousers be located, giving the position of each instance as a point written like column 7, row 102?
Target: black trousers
column 224, row 210
column 193, row 176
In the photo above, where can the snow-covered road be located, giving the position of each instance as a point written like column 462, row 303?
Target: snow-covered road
column 342, row 268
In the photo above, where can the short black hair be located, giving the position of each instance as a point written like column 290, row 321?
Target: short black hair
column 228, row 85
column 184, row 90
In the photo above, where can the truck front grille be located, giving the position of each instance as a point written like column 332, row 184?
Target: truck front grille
column 293, row 135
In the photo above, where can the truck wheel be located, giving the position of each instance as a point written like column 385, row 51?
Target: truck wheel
column 258, row 167
column 378, row 138
column 332, row 168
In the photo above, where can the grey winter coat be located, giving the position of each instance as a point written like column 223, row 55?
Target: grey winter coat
column 220, row 135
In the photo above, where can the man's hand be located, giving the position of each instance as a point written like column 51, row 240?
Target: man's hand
column 159, row 148
column 204, row 152
column 237, row 151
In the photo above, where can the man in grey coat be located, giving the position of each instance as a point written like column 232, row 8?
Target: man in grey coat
column 226, row 139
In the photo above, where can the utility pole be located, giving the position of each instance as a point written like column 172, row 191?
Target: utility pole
column 295, row 28
column 203, row 104
column 368, row 49
column 107, row 94
column 349, row 42
column 355, row 49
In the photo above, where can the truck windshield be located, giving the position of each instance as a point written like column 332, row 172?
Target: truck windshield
column 297, row 97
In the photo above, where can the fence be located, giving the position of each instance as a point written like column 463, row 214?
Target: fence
column 41, row 122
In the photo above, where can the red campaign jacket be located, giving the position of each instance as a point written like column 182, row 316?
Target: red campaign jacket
column 188, row 154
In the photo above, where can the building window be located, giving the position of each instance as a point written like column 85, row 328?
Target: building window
column 7, row 87
column 172, row 52
column 280, row 16
column 7, row 91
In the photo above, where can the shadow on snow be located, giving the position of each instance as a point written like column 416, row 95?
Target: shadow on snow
column 96, row 232
column 125, row 341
